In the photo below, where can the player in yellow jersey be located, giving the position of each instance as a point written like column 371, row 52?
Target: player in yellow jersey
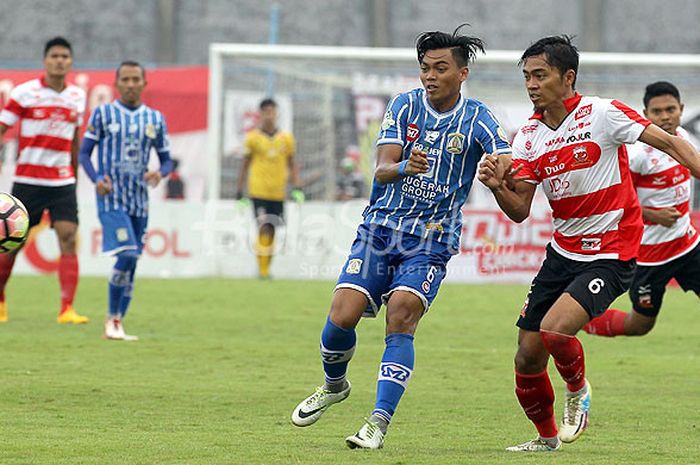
column 269, row 165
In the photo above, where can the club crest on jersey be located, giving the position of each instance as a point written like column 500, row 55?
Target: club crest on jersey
column 354, row 266
column 388, row 120
column 412, row 132
column 502, row 134
column 150, row 131
column 580, row 154
column 455, row 142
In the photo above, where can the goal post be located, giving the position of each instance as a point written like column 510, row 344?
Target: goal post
column 332, row 98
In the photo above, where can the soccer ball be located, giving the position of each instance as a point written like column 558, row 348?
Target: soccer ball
column 14, row 223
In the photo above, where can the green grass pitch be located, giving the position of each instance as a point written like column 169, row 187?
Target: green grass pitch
column 222, row 363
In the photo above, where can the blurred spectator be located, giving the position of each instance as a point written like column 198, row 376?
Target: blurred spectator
column 175, row 186
column 351, row 182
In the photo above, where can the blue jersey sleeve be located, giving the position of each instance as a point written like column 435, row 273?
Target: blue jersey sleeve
column 489, row 133
column 163, row 140
column 393, row 129
column 94, row 127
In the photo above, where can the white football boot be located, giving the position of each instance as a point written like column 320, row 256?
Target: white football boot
column 115, row 330
column 536, row 445
column 369, row 437
column 310, row 409
column 575, row 420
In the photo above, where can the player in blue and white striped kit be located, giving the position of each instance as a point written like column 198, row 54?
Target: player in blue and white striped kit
column 124, row 132
column 430, row 143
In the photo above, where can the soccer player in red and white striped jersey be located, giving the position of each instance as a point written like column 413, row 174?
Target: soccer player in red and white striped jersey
column 50, row 112
column 574, row 146
column 670, row 245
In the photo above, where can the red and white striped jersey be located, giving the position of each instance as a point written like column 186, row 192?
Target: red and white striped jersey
column 48, row 122
column 583, row 168
column 662, row 182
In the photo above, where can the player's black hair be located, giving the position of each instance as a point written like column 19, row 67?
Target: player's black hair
column 268, row 102
column 660, row 88
column 57, row 42
column 559, row 52
column 131, row 63
column 463, row 47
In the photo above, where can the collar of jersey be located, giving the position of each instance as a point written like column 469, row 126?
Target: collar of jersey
column 569, row 103
column 436, row 113
column 42, row 81
column 125, row 108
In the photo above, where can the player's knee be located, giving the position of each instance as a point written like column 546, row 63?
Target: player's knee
column 529, row 362
column 640, row 327
column 67, row 240
column 347, row 308
column 126, row 260
column 403, row 318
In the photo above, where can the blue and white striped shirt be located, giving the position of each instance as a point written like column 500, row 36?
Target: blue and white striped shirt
column 430, row 204
column 124, row 139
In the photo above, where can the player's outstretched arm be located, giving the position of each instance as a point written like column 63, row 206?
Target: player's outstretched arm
column 513, row 195
column 390, row 167
column 677, row 147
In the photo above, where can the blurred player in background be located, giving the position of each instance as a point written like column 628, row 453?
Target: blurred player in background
column 575, row 147
column 50, row 113
column 670, row 245
column 268, row 166
column 124, row 132
column 428, row 147
column 351, row 182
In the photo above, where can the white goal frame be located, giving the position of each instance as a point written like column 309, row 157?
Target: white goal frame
column 219, row 51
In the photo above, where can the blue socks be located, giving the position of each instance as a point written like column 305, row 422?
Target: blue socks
column 394, row 372
column 120, row 281
column 337, row 347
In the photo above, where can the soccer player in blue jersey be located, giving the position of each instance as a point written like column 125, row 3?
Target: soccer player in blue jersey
column 430, row 142
column 124, row 132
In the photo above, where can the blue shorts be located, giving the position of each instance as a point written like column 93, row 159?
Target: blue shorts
column 383, row 260
column 121, row 232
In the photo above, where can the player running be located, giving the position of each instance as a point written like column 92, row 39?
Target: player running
column 574, row 146
column 50, row 112
column 124, row 131
column 670, row 245
column 428, row 147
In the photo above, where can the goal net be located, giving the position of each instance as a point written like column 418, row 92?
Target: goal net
column 333, row 100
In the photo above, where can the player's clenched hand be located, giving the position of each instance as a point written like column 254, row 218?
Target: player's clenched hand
column 665, row 216
column 417, row 163
column 152, row 178
column 491, row 171
column 104, row 185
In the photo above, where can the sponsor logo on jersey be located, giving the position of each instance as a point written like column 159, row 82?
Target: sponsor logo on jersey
column 388, row 120
column 431, row 136
column 591, row 243
column 583, row 111
column 113, row 127
column 354, row 266
column 412, row 132
column 455, row 142
column 529, row 128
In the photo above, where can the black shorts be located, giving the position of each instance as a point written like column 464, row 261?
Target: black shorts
column 649, row 285
column 59, row 201
column 594, row 285
column 268, row 211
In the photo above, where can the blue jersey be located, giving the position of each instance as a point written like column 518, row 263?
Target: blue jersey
column 125, row 137
column 430, row 204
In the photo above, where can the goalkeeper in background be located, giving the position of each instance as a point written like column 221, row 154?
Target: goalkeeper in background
column 268, row 166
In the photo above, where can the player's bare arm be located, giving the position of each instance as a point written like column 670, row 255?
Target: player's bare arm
column 664, row 216
column 390, row 168
column 75, row 151
column 677, row 147
column 513, row 195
